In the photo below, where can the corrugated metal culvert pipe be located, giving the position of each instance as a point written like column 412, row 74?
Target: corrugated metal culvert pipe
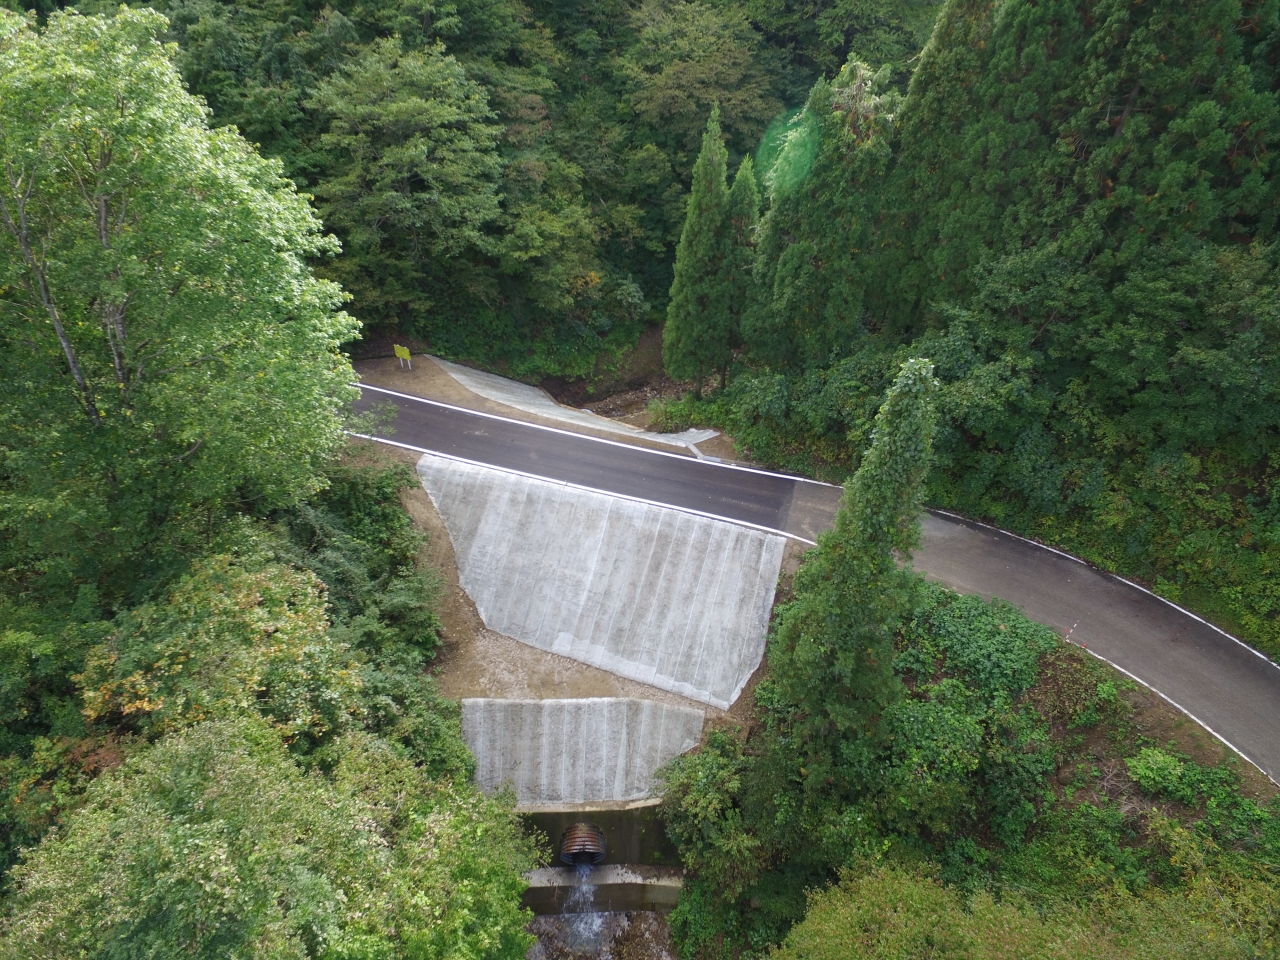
column 582, row 843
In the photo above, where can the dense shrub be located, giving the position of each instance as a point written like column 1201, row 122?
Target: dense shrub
column 895, row 913
column 213, row 843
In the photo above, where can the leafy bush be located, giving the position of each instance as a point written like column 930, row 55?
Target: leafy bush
column 894, row 913
column 213, row 842
column 227, row 640
column 245, row 631
column 990, row 645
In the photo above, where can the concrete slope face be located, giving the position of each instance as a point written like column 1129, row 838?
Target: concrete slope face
column 575, row 751
column 664, row 597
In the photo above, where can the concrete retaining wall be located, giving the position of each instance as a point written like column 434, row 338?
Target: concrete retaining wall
column 575, row 751
column 671, row 599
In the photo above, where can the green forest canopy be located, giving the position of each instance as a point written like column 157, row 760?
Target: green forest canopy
column 1072, row 211
column 1068, row 207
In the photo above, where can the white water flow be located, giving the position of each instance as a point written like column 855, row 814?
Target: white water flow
column 584, row 925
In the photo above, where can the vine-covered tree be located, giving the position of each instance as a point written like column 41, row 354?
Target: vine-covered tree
column 742, row 215
column 697, row 339
column 831, row 653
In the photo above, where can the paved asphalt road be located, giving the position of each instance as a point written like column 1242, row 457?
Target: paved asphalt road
column 1226, row 686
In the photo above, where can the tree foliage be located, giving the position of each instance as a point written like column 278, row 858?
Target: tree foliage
column 742, row 216
column 892, row 913
column 831, row 650
column 594, row 118
column 691, row 58
column 167, row 350
column 697, row 338
column 214, row 843
column 1072, row 212
column 412, row 174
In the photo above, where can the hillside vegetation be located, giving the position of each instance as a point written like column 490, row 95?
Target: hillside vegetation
column 1072, row 211
column 978, row 788
column 1015, row 257
column 508, row 179
column 217, row 736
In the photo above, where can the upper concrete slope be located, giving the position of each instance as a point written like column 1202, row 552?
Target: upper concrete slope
column 533, row 400
column 575, row 751
column 674, row 600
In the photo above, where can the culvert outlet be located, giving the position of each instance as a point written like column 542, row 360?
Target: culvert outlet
column 582, row 843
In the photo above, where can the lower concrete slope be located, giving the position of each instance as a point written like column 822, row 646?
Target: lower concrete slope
column 575, row 751
column 668, row 598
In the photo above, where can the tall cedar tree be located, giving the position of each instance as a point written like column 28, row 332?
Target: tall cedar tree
column 698, row 338
column 831, row 653
column 743, row 215
column 1076, row 217
column 810, row 279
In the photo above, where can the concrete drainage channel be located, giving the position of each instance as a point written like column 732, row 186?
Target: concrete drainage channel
column 631, row 864
column 676, row 601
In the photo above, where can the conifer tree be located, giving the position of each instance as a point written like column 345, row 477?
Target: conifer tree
column 831, row 653
column 697, row 339
column 740, row 229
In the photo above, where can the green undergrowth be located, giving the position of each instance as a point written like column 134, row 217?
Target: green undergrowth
column 1016, row 783
column 266, row 716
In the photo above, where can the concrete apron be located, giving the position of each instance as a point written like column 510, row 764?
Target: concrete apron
column 618, row 887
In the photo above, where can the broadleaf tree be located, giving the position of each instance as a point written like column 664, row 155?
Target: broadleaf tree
column 167, row 351
column 414, row 170
column 212, row 843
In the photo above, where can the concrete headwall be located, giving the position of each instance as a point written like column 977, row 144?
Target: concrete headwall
column 575, row 751
column 671, row 599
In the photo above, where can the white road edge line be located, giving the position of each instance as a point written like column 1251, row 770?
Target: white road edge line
column 577, row 486
column 586, row 436
column 1034, row 543
column 1115, row 576
column 1177, row 706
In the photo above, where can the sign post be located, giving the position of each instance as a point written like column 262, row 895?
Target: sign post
column 403, row 354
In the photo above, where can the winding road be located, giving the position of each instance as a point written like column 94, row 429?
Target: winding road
column 1223, row 684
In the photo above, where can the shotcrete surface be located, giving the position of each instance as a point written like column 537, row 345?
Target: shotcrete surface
column 533, row 400
column 660, row 596
column 575, row 751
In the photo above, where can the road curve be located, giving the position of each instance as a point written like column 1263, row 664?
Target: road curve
column 1220, row 682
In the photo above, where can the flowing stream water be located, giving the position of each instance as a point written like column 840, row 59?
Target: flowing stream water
column 585, row 924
